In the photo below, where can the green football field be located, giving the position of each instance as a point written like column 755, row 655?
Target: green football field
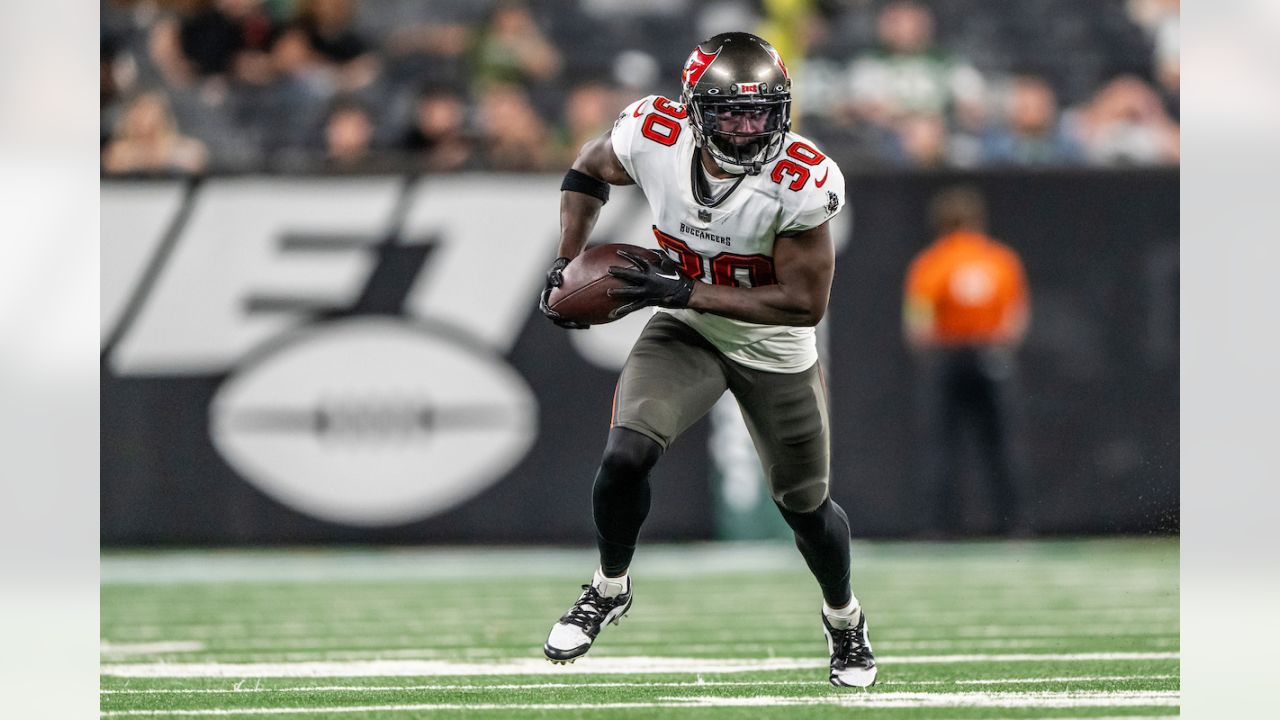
column 1059, row 629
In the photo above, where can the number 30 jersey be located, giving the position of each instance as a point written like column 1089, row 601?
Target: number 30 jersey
column 728, row 240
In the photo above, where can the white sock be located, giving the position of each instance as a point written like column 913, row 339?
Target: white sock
column 845, row 617
column 610, row 587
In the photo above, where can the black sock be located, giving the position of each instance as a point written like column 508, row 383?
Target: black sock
column 822, row 535
column 620, row 496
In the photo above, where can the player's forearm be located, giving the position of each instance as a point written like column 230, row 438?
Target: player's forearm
column 578, row 214
column 595, row 166
column 768, row 305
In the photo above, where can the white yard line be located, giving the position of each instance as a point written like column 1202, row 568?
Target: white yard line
column 444, row 642
column 435, row 668
column 866, row 699
column 891, row 617
column 239, row 688
column 588, row 665
column 382, row 633
column 503, row 653
column 150, row 648
column 319, row 652
column 1115, row 718
column 1082, row 678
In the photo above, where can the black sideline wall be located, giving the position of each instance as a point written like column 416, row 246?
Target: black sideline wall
column 293, row 360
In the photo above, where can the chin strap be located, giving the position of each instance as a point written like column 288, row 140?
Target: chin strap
column 734, row 168
column 753, row 168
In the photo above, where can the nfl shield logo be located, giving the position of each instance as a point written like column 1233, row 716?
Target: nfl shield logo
column 704, row 215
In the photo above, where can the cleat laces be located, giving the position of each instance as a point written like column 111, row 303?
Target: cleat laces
column 850, row 645
column 590, row 609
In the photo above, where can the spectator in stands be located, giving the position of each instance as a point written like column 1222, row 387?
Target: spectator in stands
column 908, row 73
column 109, row 90
column 512, row 49
column 147, row 141
column 220, row 41
column 254, row 84
column 922, row 140
column 515, row 137
column 1031, row 133
column 1126, row 124
column 348, row 141
column 965, row 310
column 589, row 111
column 435, row 52
column 1161, row 20
column 438, row 138
column 322, row 48
column 1169, row 71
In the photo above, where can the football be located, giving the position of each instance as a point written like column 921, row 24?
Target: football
column 584, row 295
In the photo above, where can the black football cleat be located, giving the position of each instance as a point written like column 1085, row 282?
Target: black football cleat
column 852, row 662
column 572, row 635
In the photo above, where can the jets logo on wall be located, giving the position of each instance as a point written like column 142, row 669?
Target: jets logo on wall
column 360, row 346
column 372, row 421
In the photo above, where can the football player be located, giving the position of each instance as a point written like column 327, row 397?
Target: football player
column 742, row 207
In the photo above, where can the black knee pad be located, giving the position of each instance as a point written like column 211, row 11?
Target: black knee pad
column 827, row 517
column 629, row 454
column 799, row 487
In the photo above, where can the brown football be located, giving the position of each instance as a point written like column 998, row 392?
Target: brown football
column 584, row 295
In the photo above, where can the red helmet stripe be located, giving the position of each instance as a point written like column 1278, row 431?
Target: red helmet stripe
column 778, row 57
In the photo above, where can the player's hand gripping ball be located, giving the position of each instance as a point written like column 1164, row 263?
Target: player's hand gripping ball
column 606, row 282
column 651, row 281
column 555, row 280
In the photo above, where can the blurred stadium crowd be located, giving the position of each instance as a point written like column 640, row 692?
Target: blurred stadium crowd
column 190, row 86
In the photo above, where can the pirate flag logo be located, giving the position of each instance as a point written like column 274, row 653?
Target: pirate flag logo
column 697, row 64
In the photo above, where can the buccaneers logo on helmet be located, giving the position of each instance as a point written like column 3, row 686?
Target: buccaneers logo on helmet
column 697, row 64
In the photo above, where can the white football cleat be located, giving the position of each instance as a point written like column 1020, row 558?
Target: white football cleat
column 852, row 662
column 572, row 635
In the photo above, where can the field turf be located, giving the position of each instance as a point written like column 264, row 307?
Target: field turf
column 1059, row 629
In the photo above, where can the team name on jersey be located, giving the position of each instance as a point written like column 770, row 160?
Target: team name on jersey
column 704, row 235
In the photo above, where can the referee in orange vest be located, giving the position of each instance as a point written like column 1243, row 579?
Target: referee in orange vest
column 965, row 311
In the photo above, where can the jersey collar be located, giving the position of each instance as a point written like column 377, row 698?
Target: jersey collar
column 701, row 188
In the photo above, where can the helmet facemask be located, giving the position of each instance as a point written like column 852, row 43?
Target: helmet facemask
column 742, row 135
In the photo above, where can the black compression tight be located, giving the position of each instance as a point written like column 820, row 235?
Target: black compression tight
column 620, row 501
column 822, row 535
column 620, row 496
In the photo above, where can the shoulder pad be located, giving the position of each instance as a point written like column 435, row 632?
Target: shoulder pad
column 648, row 125
column 812, row 186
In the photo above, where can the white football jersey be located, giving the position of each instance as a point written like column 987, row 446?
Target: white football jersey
column 729, row 242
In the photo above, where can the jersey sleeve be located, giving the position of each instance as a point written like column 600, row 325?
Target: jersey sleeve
column 626, row 131
column 821, row 199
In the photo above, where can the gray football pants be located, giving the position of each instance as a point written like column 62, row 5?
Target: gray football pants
column 673, row 377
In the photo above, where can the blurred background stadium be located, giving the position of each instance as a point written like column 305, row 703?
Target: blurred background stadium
column 325, row 224
column 449, row 85
column 324, row 227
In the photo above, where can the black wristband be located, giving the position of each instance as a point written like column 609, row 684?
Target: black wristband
column 581, row 182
